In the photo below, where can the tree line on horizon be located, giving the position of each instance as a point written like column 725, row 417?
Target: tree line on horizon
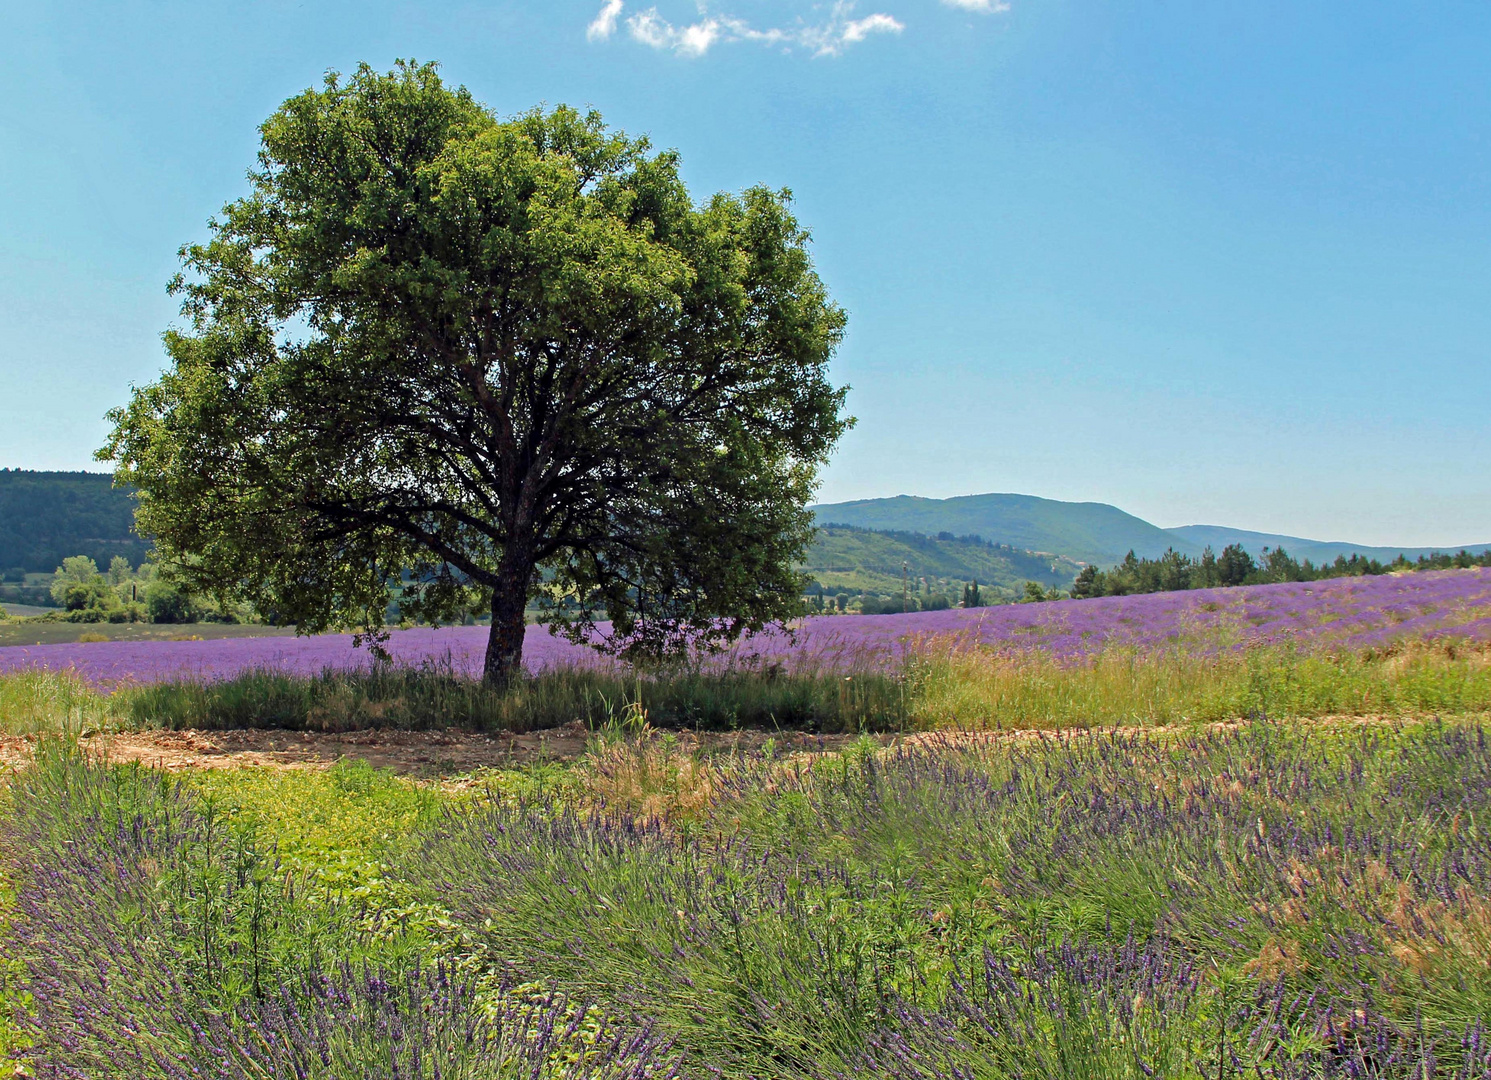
column 1174, row 572
column 82, row 593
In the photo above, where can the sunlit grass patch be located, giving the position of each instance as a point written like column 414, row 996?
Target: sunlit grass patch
column 35, row 701
column 980, row 688
column 338, row 834
column 12, row 999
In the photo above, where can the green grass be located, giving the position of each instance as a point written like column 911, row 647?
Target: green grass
column 982, row 689
column 46, row 632
column 417, row 699
column 936, row 689
column 54, row 701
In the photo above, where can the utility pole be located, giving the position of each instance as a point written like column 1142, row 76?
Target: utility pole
column 905, row 592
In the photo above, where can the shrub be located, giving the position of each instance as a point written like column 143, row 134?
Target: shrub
column 430, row 697
column 167, row 603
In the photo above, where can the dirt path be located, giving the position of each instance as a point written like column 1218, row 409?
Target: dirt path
column 416, row 753
column 449, row 753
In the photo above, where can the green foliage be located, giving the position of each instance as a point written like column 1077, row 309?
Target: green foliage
column 1173, row 571
column 76, row 572
column 490, row 360
column 46, row 516
column 420, row 699
column 167, row 603
column 87, row 596
column 339, row 831
column 1034, row 594
column 869, row 562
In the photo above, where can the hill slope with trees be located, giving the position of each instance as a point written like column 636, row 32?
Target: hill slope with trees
column 864, row 562
column 46, row 517
column 1218, row 537
column 1086, row 532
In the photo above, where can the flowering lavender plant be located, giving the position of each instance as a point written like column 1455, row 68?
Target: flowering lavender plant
column 151, row 947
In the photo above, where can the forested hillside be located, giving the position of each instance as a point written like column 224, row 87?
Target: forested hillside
column 47, row 516
column 864, row 562
column 1086, row 532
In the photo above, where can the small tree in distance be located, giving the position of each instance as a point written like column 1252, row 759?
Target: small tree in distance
column 496, row 361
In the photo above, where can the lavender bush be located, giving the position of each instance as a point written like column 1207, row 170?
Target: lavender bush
column 154, row 942
column 1245, row 903
column 1249, row 902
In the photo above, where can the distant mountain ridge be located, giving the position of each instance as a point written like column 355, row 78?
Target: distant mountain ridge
column 47, row 516
column 1317, row 551
column 1087, row 532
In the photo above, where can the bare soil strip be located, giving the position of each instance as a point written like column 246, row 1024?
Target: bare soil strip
column 453, row 752
column 445, row 753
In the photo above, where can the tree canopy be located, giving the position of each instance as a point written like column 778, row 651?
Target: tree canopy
column 495, row 361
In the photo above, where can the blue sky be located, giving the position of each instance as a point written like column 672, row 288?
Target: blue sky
column 1210, row 262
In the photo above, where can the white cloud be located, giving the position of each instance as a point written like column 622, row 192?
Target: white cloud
column 604, row 24
column 859, row 29
column 828, row 38
column 983, row 7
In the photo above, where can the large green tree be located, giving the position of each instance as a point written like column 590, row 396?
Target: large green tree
column 493, row 360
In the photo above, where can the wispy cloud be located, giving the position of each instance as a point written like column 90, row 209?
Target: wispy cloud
column 983, row 7
column 827, row 38
column 859, row 29
column 604, row 24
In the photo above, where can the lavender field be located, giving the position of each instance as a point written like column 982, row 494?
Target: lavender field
column 1250, row 903
column 1301, row 892
column 1339, row 614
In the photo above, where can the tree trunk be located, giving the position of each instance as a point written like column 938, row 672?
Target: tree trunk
column 504, row 662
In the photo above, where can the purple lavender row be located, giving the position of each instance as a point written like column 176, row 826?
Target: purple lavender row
column 1270, row 886
column 1342, row 613
column 1134, row 1011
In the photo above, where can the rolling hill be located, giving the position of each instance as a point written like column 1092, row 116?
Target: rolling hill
column 47, row 516
column 1085, row 532
column 847, row 559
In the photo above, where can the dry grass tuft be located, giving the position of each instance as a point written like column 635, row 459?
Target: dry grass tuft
column 651, row 776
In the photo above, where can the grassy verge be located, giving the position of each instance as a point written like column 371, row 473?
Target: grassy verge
column 980, row 689
column 414, row 698
column 946, row 688
column 54, row 701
